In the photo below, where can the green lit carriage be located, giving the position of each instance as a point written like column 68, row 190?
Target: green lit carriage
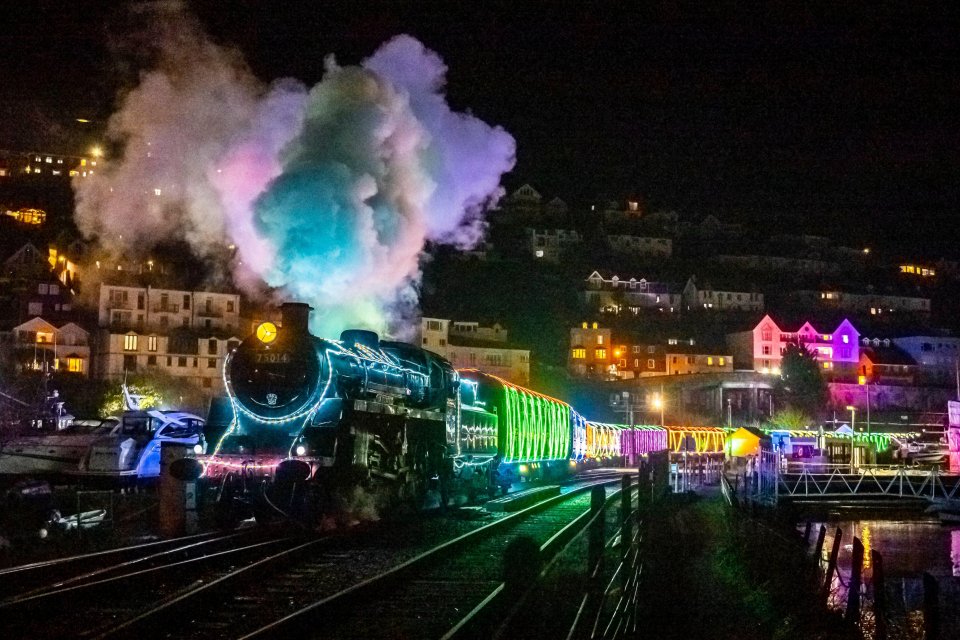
column 533, row 431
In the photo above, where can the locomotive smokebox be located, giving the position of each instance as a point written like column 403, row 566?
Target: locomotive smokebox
column 295, row 317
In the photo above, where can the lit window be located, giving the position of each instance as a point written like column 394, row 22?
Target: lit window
column 723, row 361
column 44, row 337
column 130, row 343
column 709, row 361
column 151, row 343
column 601, row 354
column 539, row 253
column 846, row 339
column 827, row 365
column 579, row 354
column 651, row 364
column 75, row 365
column 599, row 338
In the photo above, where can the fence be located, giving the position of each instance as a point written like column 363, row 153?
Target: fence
column 604, row 558
column 771, row 483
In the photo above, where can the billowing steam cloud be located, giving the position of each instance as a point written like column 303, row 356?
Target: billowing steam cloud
column 329, row 194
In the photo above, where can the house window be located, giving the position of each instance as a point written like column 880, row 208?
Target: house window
column 691, row 360
column 601, row 354
column 766, row 335
column 211, row 363
column 443, row 342
column 75, row 365
column 651, row 364
column 651, row 349
column 195, row 363
column 141, row 303
column 424, row 341
column 723, row 361
column 130, row 343
column 186, row 322
column 433, row 325
column 212, row 347
column 186, row 302
column 35, row 308
column 164, row 321
column 579, row 354
column 709, row 361
column 827, row 365
column 765, row 350
column 181, row 361
column 169, row 361
column 229, row 306
column 129, row 363
column 42, row 289
column 600, row 339
column 151, row 343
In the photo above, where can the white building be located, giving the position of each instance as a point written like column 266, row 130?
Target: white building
column 185, row 334
column 160, row 310
column 611, row 294
column 711, row 298
column 488, row 355
column 549, row 244
column 41, row 346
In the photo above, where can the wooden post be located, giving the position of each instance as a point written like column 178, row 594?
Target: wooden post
column 931, row 607
column 831, row 565
column 879, row 597
column 856, row 574
column 598, row 496
column 626, row 530
column 818, row 551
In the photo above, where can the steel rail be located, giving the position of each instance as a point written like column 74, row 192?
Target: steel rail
column 89, row 575
column 369, row 587
column 32, row 600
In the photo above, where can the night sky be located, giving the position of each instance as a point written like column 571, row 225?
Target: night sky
column 839, row 122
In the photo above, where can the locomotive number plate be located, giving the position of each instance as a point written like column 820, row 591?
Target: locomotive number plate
column 272, row 357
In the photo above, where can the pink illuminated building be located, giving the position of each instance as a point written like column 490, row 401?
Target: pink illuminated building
column 762, row 349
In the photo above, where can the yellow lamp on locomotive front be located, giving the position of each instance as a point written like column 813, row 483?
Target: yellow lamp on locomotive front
column 266, row 332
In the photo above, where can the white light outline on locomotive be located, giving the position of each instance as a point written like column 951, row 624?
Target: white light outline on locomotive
column 366, row 354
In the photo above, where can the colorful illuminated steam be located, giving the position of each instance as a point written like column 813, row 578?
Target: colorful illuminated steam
column 329, row 193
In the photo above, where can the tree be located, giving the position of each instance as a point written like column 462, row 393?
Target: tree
column 801, row 385
column 791, row 419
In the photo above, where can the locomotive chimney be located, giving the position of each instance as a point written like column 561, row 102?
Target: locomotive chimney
column 295, row 316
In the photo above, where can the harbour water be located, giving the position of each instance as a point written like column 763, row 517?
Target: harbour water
column 910, row 547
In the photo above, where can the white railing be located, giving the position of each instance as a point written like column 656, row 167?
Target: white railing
column 831, row 481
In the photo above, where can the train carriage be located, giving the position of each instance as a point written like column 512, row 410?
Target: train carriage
column 535, row 432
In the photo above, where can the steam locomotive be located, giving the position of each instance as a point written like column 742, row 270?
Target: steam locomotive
column 315, row 420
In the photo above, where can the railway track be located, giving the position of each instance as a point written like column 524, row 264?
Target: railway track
column 289, row 590
column 238, row 585
column 81, row 595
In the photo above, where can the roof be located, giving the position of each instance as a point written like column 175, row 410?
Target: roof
column 887, row 355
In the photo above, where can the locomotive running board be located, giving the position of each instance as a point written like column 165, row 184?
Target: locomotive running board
column 371, row 406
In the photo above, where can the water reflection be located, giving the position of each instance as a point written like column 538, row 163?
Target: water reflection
column 909, row 548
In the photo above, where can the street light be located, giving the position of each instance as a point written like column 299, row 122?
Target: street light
column 853, row 416
column 658, row 404
column 866, row 386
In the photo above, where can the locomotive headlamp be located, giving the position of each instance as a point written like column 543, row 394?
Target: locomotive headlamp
column 301, row 450
column 266, row 332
